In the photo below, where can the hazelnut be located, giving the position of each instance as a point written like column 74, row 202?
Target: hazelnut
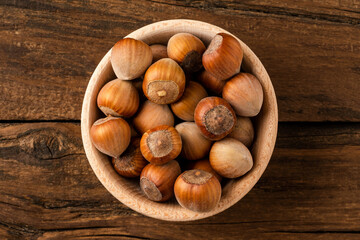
column 157, row 181
column 197, row 190
column 210, row 82
column 230, row 158
column 187, row 50
column 130, row 58
column 223, row 56
column 161, row 144
column 131, row 162
column 203, row 164
column 185, row 107
column 164, row 82
column 151, row 115
column 111, row 135
column 243, row 131
column 194, row 144
column 159, row 51
column 245, row 94
column 214, row 117
column 118, row 98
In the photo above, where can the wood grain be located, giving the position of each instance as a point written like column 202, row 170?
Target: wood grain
column 311, row 50
column 310, row 190
column 330, row 10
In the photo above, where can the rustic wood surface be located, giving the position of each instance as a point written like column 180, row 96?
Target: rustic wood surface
column 48, row 51
column 310, row 190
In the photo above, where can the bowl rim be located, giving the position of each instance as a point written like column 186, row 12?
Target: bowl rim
column 167, row 211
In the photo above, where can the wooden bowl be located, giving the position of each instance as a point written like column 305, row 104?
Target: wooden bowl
column 128, row 191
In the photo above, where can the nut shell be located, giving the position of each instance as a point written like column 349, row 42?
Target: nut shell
column 245, row 94
column 185, row 107
column 130, row 58
column 187, row 50
column 215, row 117
column 223, row 56
column 230, row 158
column 161, row 144
column 137, row 83
column 118, row 98
column 243, row 131
column 111, row 135
column 164, row 82
column 159, row 51
column 197, row 190
column 203, row 164
column 194, row 144
column 210, row 82
column 157, row 181
column 151, row 115
column 131, row 162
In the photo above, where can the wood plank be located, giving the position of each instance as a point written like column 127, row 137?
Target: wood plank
column 330, row 10
column 310, row 190
column 49, row 49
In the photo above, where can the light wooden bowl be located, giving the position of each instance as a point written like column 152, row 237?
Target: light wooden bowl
column 128, row 191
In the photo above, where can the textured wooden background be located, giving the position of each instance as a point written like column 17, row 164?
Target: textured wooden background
column 311, row 188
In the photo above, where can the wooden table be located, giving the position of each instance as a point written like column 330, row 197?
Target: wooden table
column 48, row 51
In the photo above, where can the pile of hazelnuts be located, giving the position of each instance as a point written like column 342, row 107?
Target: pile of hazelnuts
column 212, row 134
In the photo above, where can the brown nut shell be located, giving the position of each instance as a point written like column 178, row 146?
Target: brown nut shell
column 151, row 115
column 161, row 144
column 157, row 181
column 185, row 107
column 215, row 117
column 194, row 145
column 164, row 82
column 203, row 164
column 137, row 83
column 159, row 51
column 118, row 98
column 223, row 56
column 243, row 131
column 187, row 50
column 245, row 94
column 210, row 82
column 230, row 158
column 111, row 135
column 131, row 162
column 197, row 190
column 130, row 58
